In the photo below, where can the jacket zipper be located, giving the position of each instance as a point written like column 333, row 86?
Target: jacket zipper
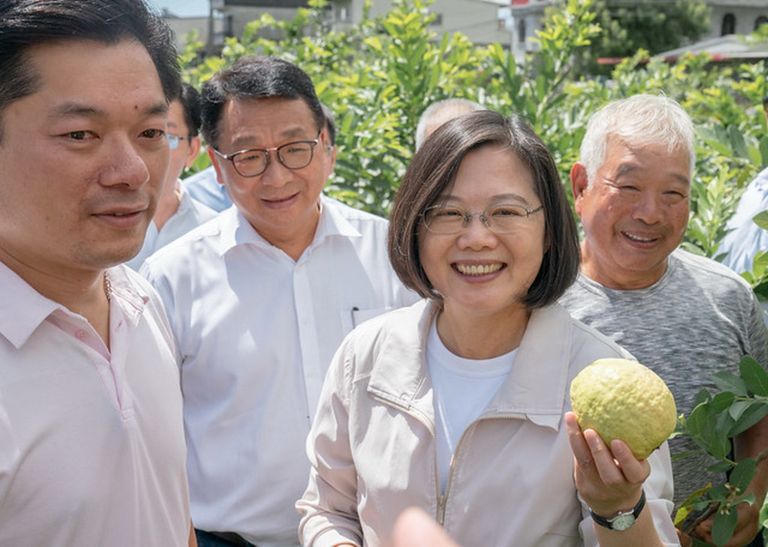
column 441, row 499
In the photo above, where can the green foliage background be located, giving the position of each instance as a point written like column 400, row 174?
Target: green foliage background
column 380, row 75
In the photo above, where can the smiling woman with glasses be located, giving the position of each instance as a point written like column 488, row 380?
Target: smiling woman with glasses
column 459, row 404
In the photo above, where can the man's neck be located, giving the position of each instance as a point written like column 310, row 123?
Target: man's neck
column 167, row 206
column 618, row 278
column 81, row 291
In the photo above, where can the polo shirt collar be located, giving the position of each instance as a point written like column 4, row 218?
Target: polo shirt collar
column 24, row 309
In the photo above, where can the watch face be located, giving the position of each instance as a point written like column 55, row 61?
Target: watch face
column 623, row 522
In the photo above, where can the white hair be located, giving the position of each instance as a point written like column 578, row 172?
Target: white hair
column 640, row 120
column 440, row 112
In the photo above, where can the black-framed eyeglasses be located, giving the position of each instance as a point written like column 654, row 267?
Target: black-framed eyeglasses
column 175, row 140
column 500, row 219
column 252, row 162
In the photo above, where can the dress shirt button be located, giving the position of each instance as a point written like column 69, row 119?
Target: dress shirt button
column 80, row 334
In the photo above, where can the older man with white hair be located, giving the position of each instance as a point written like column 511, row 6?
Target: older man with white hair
column 685, row 316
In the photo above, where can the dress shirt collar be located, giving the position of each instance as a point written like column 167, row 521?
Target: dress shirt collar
column 534, row 390
column 24, row 309
column 236, row 230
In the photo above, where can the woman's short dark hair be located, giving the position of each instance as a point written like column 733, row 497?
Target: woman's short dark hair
column 256, row 77
column 433, row 170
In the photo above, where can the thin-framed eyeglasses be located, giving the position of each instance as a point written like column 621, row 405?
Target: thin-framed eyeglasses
column 500, row 219
column 175, row 140
column 252, row 162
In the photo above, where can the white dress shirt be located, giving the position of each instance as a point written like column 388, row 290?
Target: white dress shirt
column 190, row 214
column 91, row 439
column 257, row 331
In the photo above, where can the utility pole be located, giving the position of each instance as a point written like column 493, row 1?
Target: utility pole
column 210, row 43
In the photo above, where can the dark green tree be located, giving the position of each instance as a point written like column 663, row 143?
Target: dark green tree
column 652, row 25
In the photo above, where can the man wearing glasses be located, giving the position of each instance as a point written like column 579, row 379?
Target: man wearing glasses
column 177, row 212
column 260, row 297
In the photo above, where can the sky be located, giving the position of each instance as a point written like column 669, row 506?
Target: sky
column 182, row 8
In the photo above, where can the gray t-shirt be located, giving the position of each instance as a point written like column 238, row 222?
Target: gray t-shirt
column 698, row 319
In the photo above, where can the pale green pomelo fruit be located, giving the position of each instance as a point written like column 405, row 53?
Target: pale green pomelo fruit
column 622, row 399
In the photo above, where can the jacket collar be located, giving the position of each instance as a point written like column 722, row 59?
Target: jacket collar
column 535, row 389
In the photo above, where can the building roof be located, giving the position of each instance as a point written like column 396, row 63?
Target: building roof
column 267, row 3
column 722, row 48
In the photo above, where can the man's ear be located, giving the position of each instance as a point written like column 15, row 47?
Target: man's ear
column 579, row 183
column 194, row 150
column 216, row 165
column 330, row 158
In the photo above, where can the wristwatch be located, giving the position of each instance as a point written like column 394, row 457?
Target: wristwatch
column 623, row 519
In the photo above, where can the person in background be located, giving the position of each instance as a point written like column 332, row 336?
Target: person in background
column 91, row 436
column 456, row 405
column 206, row 189
column 260, row 297
column 745, row 238
column 440, row 112
column 177, row 213
column 684, row 316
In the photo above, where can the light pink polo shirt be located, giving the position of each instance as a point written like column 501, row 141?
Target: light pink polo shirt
column 91, row 441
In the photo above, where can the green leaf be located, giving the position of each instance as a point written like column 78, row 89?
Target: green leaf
column 724, row 525
column 721, row 401
column 761, row 219
column 728, row 381
column 754, row 376
column 742, row 474
column 756, row 412
column 738, row 408
column 720, row 467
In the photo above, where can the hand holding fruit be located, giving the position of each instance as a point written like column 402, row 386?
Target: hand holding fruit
column 622, row 411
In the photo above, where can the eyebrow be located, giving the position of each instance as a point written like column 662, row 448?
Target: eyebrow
column 628, row 168
column 250, row 140
column 79, row 110
column 500, row 198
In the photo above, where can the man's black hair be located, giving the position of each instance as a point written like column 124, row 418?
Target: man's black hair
column 28, row 23
column 256, row 78
column 190, row 102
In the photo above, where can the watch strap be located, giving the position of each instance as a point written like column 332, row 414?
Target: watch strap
column 608, row 522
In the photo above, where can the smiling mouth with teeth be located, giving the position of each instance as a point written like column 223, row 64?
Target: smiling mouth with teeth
column 639, row 239
column 478, row 269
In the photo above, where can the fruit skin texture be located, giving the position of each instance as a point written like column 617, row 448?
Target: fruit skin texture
column 622, row 399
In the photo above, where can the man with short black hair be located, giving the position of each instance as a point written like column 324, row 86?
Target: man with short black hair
column 260, row 297
column 91, row 437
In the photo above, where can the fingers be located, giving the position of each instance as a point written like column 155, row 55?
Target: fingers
column 608, row 479
column 746, row 527
column 414, row 528
column 579, row 446
column 615, row 465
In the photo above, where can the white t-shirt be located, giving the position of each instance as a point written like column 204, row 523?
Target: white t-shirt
column 462, row 390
